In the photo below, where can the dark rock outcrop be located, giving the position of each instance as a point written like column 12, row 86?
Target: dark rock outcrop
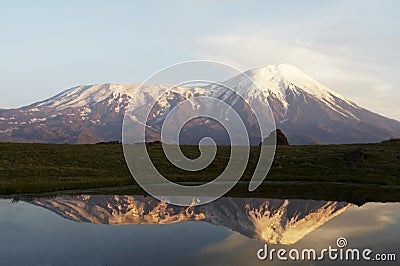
column 281, row 139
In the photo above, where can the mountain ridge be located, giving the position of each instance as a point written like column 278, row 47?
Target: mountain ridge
column 307, row 111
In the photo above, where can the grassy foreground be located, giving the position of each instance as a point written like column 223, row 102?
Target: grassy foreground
column 36, row 168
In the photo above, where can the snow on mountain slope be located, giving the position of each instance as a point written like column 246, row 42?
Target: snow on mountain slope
column 82, row 96
column 283, row 77
column 306, row 111
column 275, row 81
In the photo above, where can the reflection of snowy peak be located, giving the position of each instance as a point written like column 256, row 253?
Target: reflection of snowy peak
column 306, row 110
column 274, row 221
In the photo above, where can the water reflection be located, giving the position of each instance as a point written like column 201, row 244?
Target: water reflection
column 137, row 230
column 276, row 221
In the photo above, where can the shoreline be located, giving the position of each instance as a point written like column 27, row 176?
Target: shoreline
column 355, row 172
column 358, row 194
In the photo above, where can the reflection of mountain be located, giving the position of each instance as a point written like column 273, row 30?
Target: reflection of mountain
column 271, row 220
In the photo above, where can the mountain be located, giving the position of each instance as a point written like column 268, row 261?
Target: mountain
column 304, row 109
column 271, row 220
column 309, row 112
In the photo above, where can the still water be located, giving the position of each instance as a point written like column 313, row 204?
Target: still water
column 139, row 230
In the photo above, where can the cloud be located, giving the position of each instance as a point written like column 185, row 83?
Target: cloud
column 351, row 70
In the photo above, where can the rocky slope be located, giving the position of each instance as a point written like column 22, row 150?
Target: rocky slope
column 305, row 110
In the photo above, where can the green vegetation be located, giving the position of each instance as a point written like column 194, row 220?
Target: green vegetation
column 358, row 163
column 26, row 168
column 36, row 168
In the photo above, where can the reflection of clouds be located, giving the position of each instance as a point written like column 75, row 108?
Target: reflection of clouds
column 233, row 241
column 359, row 221
column 236, row 250
column 384, row 218
column 374, row 225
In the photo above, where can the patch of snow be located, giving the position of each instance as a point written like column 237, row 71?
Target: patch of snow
column 35, row 120
column 81, row 96
column 8, row 130
column 84, row 111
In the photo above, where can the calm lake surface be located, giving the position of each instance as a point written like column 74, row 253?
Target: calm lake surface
column 139, row 230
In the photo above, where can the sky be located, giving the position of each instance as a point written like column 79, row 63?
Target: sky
column 48, row 46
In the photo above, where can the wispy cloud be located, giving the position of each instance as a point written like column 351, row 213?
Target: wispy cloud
column 351, row 48
column 366, row 82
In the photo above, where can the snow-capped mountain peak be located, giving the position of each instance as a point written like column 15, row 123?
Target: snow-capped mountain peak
column 81, row 96
column 278, row 79
column 306, row 110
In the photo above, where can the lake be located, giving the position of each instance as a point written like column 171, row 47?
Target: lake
column 140, row 230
